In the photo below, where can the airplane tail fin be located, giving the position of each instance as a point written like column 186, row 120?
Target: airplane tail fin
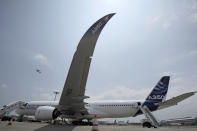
column 158, row 94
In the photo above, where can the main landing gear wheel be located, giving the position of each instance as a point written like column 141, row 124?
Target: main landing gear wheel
column 147, row 124
column 82, row 123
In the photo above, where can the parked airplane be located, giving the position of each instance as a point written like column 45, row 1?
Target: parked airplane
column 72, row 104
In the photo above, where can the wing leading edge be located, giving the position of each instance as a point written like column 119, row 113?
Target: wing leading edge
column 73, row 94
column 175, row 100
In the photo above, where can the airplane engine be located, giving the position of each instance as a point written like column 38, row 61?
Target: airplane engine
column 46, row 113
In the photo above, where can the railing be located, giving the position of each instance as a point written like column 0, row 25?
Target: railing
column 149, row 115
column 11, row 107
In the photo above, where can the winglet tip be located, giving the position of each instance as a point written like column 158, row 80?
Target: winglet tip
column 111, row 14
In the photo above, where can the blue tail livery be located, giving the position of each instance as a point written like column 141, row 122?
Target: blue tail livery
column 158, row 94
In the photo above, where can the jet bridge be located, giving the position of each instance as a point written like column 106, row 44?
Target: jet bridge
column 150, row 117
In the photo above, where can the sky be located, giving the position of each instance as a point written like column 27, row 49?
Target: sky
column 142, row 42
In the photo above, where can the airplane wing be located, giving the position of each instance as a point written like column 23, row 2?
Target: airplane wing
column 175, row 100
column 72, row 97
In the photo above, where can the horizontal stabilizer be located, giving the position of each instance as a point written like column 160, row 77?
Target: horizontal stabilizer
column 175, row 100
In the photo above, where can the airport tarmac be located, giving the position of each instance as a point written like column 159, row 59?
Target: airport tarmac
column 32, row 126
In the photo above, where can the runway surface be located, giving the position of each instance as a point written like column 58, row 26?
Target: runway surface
column 29, row 126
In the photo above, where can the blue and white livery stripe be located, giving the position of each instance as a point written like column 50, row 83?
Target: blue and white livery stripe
column 158, row 93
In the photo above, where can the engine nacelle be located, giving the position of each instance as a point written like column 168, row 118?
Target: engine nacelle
column 46, row 113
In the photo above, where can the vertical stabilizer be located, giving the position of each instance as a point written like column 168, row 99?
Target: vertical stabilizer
column 158, row 94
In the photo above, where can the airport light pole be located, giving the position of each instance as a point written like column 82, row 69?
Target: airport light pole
column 56, row 93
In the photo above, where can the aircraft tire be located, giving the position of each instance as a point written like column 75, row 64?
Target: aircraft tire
column 147, row 124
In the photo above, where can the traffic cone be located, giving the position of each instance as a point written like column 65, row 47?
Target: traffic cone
column 95, row 124
column 10, row 122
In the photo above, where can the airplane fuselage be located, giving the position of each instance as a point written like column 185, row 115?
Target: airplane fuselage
column 104, row 109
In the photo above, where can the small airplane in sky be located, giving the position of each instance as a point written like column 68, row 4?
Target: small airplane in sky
column 38, row 70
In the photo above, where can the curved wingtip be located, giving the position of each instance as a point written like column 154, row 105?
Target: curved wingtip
column 112, row 13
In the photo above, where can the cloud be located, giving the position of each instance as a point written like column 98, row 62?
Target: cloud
column 171, row 60
column 42, row 96
column 193, row 52
column 164, row 21
column 155, row 19
column 177, row 80
column 169, row 73
column 39, row 89
column 122, row 93
column 41, row 59
column 3, row 86
column 46, row 96
column 193, row 17
column 194, row 5
column 166, row 25
column 125, row 93
column 178, row 85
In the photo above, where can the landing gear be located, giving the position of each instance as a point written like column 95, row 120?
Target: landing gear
column 148, row 125
column 82, row 123
column 20, row 118
column 6, row 118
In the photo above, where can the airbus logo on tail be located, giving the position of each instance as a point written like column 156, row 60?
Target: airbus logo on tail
column 155, row 97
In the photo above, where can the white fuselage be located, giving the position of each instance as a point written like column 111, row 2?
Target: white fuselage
column 104, row 109
column 113, row 109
